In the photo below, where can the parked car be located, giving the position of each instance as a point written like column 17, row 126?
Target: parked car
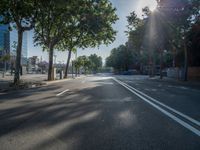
column 130, row 72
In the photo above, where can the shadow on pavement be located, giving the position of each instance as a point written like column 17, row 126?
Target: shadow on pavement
column 94, row 118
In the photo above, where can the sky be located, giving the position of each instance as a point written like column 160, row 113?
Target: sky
column 124, row 8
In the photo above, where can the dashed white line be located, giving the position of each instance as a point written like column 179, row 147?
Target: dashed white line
column 62, row 92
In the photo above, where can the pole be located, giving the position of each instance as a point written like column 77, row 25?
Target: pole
column 76, row 71
column 72, row 70
column 5, row 67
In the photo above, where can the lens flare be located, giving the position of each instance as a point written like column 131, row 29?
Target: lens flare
column 152, row 4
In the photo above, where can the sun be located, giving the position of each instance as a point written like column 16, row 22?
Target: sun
column 152, row 6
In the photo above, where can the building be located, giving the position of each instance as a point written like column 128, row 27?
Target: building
column 33, row 64
column 8, row 45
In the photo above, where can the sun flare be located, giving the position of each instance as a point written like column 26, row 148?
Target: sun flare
column 152, row 4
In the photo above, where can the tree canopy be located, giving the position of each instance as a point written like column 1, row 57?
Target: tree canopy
column 67, row 25
column 166, row 36
column 20, row 15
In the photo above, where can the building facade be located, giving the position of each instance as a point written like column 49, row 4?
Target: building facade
column 8, row 45
column 33, row 64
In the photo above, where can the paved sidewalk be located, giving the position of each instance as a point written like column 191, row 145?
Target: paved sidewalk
column 34, row 79
column 190, row 83
column 26, row 77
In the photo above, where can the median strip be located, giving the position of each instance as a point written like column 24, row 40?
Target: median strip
column 178, row 120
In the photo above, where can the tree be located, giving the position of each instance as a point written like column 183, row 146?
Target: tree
column 54, row 15
column 78, row 64
column 84, row 62
column 180, row 15
column 136, row 34
column 121, row 59
column 22, row 15
column 5, row 59
column 96, row 62
column 194, row 47
column 90, row 25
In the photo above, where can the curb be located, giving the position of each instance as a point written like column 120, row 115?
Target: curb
column 61, row 80
column 39, row 84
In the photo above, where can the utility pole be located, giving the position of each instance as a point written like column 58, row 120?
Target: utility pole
column 76, row 69
column 72, row 69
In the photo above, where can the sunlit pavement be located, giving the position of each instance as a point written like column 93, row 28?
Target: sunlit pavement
column 34, row 78
column 182, row 96
column 100, row 113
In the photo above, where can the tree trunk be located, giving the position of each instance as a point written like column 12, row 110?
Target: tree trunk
column 50, row 71
column 85, row 70
column 18, row 57
column 126, row 67
column 67, row 65
column 174, row 57
column 185, row 63
column 72, row 69
column 76, row 71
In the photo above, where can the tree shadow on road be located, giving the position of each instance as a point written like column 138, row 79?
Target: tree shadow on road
column 92, row 118
column 19, row 94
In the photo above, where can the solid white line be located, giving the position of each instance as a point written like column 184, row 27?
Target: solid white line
column 62, row 92
column 156, row 101
column 178, row 120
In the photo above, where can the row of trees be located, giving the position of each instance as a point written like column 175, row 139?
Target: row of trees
column 167, row 36
column 59, row 25
column 92, row 63
column 121, row 58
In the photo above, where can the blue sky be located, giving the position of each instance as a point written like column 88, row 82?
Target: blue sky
column 124, row 8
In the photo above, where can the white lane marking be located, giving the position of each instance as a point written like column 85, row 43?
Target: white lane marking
column 62, row 92
column 178, row 120
column 178, row 87
column 173, row 110
column 107, row 83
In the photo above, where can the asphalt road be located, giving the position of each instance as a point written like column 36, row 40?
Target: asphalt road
column 101, row 113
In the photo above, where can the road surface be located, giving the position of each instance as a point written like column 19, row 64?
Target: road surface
column 101, row 113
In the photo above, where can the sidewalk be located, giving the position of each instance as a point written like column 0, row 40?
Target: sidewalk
column 28, row 78
column 32, row 80
column 190, row 83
